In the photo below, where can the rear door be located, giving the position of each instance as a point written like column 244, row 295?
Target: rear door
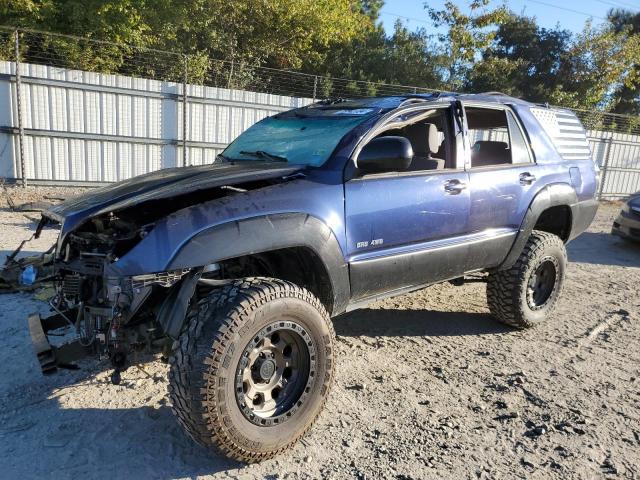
column 502, row 176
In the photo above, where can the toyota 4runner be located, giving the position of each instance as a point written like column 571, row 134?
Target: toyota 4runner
column 233, row 270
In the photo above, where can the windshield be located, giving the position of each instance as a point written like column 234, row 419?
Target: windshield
column 296, row 137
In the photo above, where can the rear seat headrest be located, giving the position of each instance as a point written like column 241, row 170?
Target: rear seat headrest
column 485, row 152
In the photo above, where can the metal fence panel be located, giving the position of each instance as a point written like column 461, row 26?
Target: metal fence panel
column 86, row 127
column 618, row 156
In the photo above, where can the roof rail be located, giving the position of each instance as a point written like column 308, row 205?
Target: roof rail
column 332, row 100
column 411, row 100
column 422, row 97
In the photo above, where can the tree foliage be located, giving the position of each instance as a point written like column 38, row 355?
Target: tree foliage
column 467, row 34
column 523, row 60
column 280, row 33
column 597, row 65
column 627, row 96
column 404, row 58
column 592, row 69
column 474, row 45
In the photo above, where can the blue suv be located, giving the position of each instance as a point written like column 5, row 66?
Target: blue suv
column 232, row 271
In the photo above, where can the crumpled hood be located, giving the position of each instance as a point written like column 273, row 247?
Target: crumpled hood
column 163, row 184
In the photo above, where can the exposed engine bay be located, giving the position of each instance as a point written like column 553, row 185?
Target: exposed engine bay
column 112, row 317
column 115, row 317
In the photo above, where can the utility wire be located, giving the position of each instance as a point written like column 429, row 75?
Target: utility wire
column 619, row 4
column 566, row 9
column 384, row 12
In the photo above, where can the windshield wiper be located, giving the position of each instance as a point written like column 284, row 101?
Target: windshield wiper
column 222, row 157
column 265, row 155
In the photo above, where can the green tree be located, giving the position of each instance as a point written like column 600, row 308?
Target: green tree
column 523, row 60
column 590, row 70
column 411, row 58
column 121, row 22
column 24, row 13
column 598, row 63
column 466, row 36
column 626, row 98
column 405, row 57
column 278, row 33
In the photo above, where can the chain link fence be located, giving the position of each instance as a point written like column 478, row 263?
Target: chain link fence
column 615, row 139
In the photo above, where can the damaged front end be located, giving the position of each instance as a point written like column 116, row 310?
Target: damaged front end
column 115, row 290
column 109, row 317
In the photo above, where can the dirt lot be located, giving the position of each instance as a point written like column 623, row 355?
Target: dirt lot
column 428, row 386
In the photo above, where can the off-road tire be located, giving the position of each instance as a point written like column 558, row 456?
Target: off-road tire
column 507, row 290
column 207, row 353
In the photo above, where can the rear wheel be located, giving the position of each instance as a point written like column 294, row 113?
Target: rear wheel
column 252, row 368
column 526, row 294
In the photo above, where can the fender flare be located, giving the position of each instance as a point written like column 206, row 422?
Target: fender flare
column 553, row 195
column 172, row 312
column 267, row 233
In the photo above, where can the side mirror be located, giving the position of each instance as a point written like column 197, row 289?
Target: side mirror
column 385, row 154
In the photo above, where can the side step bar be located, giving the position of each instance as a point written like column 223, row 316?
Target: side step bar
column 51, row 357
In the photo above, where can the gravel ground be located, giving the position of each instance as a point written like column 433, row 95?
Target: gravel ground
column 428, row 386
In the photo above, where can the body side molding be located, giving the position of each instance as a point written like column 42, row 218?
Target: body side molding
column 401, row 269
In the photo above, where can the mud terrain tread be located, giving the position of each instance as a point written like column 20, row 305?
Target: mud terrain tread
column 200, row 347
column 503, row 285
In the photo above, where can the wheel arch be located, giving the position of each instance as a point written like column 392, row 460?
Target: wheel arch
column 306, row 236
column 550, row 211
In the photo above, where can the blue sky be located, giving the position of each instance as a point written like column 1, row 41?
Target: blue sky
column 547, row 12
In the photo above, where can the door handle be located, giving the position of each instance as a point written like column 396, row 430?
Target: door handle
column 527, row 179
column 454, row 187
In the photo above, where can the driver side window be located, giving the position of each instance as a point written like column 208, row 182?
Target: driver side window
column 430, row 138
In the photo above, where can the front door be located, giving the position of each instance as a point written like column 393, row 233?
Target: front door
column 409, row 228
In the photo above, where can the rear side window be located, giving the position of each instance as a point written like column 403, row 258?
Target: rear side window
column 519, row 151
column 566, row 132
column 495, row 138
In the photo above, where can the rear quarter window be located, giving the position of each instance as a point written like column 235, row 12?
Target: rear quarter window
column 566, row 132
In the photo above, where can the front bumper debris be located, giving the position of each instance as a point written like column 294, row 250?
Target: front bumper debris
column 53, row 357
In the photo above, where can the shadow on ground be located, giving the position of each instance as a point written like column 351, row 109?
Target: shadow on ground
column 149, row 441
column 66, row 437
column 416, row 323
column 604, row 249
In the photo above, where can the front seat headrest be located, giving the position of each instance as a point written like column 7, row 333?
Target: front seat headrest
column 424, row 138
column 434, row 138
column 417, row 135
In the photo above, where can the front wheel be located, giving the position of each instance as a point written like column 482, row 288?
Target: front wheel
column 526, row 294
column 252, row 368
